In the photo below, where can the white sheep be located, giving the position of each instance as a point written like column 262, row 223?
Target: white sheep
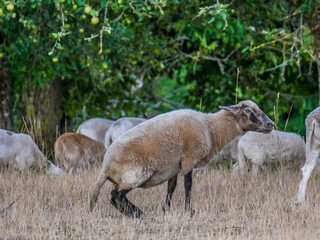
column 19, row 151
column 312, row 151
column 95, row 128
column 156, row 150
column 119, row 127
column 286, row 148
column 228, row 154
column 77, row 151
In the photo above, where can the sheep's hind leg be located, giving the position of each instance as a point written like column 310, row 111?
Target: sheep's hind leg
column 306, row 174
column 172, row 183
column 187, row 187
column 120, row 202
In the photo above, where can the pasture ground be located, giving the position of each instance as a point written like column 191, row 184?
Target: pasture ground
column 226, row 208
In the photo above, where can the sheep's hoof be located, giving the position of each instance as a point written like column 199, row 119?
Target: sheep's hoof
column 165, row 208
column 191, row 211
column 126, row 208
column 138, row 214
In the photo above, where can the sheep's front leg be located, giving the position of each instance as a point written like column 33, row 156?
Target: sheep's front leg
column 71, row 171
column 120, row 202
column 187, row 187
column 242, row 166
column 172, row 183
column 255, row 170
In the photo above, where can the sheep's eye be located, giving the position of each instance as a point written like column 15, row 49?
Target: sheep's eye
column 248, row 110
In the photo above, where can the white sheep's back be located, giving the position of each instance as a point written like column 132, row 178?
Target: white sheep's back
column 6, row 149
column 273, row 147
column 95, row 128
column 18, row 150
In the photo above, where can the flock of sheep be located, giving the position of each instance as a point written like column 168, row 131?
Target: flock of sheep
column 139, row 153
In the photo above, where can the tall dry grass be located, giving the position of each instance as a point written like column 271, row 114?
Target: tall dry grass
column 226, row 207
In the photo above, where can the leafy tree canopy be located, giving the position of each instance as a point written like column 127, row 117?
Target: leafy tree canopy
column 141, row 58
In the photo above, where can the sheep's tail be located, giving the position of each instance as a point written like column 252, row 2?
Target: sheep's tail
column 102, row 178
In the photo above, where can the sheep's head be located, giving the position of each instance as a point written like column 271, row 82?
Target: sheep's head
column 250, row 117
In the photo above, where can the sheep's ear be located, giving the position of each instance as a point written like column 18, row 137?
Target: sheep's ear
column 234, row 109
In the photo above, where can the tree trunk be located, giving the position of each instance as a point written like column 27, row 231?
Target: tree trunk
column 318, row 68
column 6, row 119
column 41, row 114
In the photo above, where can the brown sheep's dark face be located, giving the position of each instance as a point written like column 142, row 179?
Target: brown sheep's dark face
column 250, row 117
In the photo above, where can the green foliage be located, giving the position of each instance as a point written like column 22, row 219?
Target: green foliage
column 188, row 54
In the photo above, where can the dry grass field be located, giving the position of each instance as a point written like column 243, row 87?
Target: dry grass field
column 226, row 208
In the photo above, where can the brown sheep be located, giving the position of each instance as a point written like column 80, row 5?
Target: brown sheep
column 75, row 150
column 156, row 150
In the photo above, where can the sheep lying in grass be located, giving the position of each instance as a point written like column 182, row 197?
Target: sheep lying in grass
column 158, row 149
column 259, row 149
column 119, row 127
column 19, row 151
column 95, row 128
column 312, row 151
column 74, row 150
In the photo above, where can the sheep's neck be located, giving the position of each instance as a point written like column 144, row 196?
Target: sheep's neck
column 224, row 127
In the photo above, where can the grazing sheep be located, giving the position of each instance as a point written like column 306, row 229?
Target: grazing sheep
column 119, row 127
column 312, row 151
column 156, row 150
column 53, row 169
column 74, row 150
column 95, row 128
column 19, row 151
column 277, row 147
